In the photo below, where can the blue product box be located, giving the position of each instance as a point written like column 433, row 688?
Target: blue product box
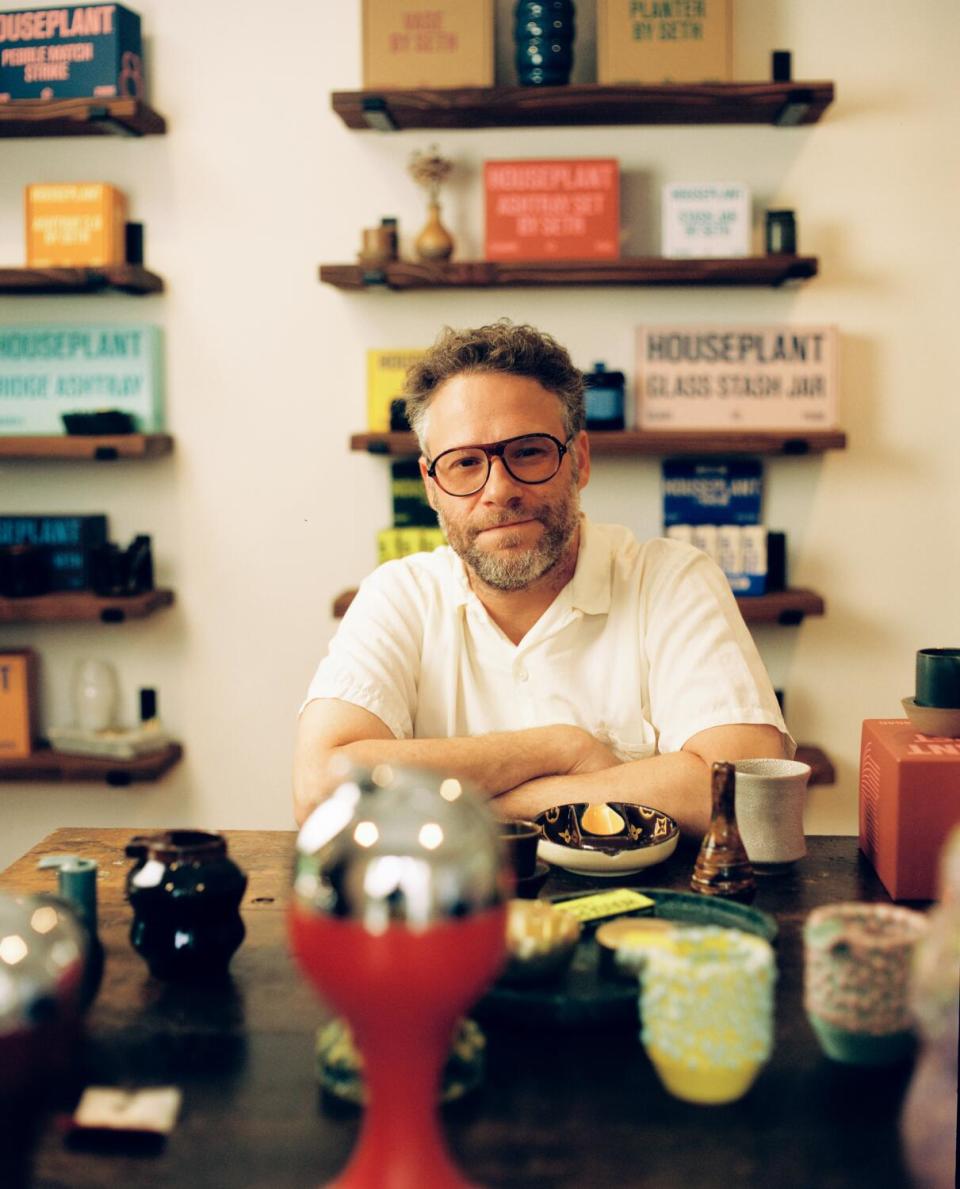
column 710, row 492
column 70, row 52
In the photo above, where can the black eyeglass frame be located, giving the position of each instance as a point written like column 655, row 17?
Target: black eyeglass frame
column 497, row 450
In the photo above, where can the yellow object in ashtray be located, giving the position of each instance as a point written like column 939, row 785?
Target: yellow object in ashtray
column 601, row 819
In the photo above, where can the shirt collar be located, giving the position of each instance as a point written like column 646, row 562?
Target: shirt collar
column 591, row 585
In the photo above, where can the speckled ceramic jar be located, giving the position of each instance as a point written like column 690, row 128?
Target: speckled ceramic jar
column 856, row 977
column 706, row 1003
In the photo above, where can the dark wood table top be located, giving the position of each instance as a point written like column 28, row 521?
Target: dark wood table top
column 575, row 1107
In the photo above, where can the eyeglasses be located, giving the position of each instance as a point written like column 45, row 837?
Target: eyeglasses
column 529, row 458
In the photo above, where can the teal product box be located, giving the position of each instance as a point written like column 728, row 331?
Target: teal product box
column 712, row 492
column 66, row 543
column 71, row 52
column 46, row 371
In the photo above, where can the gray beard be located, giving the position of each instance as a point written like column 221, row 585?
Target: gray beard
column 517, row 571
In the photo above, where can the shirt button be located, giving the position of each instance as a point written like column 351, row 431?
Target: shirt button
column 522, row 675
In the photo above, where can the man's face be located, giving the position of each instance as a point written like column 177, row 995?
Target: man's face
column 509, row 533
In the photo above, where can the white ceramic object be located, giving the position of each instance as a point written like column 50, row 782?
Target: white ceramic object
column 592, row 862
column 95, row 695
column 932, row 720
column 770, row 800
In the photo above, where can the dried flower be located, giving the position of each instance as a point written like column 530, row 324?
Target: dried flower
column 430, row 170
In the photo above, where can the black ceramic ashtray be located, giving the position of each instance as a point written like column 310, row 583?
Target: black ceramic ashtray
column 104, row 421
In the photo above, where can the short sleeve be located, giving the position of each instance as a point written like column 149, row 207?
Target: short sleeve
column 704, row 667
column 374, row 659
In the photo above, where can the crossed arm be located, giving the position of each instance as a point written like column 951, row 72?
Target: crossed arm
column 524, row 772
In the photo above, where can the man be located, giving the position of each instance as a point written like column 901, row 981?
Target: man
column 541, row 657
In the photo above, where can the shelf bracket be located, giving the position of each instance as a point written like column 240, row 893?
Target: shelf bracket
column 103, row 115
column 790, row 618
column 794, row 111
column 796, row 446
column 377, row 114
column 106, row 454
column 112, row 615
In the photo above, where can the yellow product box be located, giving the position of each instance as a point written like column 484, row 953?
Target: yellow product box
column 446, row 43
column 18, row 702
column 401, row 542
column 386, row 372
column 75, row 225
column 664, row 41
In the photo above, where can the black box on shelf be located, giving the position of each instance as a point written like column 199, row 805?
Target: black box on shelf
column 71, row 52
column 410, row 506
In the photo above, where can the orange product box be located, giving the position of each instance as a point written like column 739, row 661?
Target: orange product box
column 75, row 225
column 909, row 801
column 18, row 702
column 445, row 43
column 566, row 209
column 647, row 41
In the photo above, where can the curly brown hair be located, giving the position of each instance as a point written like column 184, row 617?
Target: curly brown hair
column 500, row 347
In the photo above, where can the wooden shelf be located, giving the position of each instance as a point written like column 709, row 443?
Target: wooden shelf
column 79, row 117
column 93, row 447
column 127, row 278
column 83, row 606
column 772, row 270
column 46, row 764
column 661, row 442
column 778, row 103
column 784, row 607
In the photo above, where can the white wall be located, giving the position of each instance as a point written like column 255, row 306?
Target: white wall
column 262, row 515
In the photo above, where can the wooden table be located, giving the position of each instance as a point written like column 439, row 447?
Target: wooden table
column 581, row 1108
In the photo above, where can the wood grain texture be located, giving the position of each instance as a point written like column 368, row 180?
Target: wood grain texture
column 558, row 1109
column 85, row 447
column 653, row 442
column 584, row 104
column 83, row 605
column 770, row 270
column 126, row 278
column 79, row 117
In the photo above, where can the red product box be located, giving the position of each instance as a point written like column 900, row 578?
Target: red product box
column 565, row 209
column 909, row 801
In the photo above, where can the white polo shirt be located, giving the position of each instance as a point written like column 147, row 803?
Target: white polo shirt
column 644, row 647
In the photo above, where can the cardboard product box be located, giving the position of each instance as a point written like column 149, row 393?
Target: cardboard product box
column 46, row 371
column 386, row 372
column 705, row 219
column 909, row 801
column 652, row 41
column 411, row 508
column 400, row 542
column 18, row 702
column 70, row 52
column 446, row 43
column 75, row 224
column 567, row 209
column 775, row 377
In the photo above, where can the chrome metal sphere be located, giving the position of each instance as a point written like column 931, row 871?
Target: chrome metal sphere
column 42, row 955
column 395, row 844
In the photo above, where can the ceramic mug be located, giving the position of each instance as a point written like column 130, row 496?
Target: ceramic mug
column 938, row 678
column 770, row 799
column 857, row 961
column 706, row 1002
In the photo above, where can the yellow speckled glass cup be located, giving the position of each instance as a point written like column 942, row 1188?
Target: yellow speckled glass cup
column 707, row 1011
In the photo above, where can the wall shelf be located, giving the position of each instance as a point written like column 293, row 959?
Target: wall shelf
column 821, row 769
column 75, row 606
column 784, row 607
column 79, row 117
column 778, row 103
column 772, row 270
column 661, row 442
column 47, row 764
column 85, row 447
column 126, row 278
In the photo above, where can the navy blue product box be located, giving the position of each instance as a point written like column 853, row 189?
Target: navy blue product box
column 74, row 51
column 696, row 491
column 59, row 532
